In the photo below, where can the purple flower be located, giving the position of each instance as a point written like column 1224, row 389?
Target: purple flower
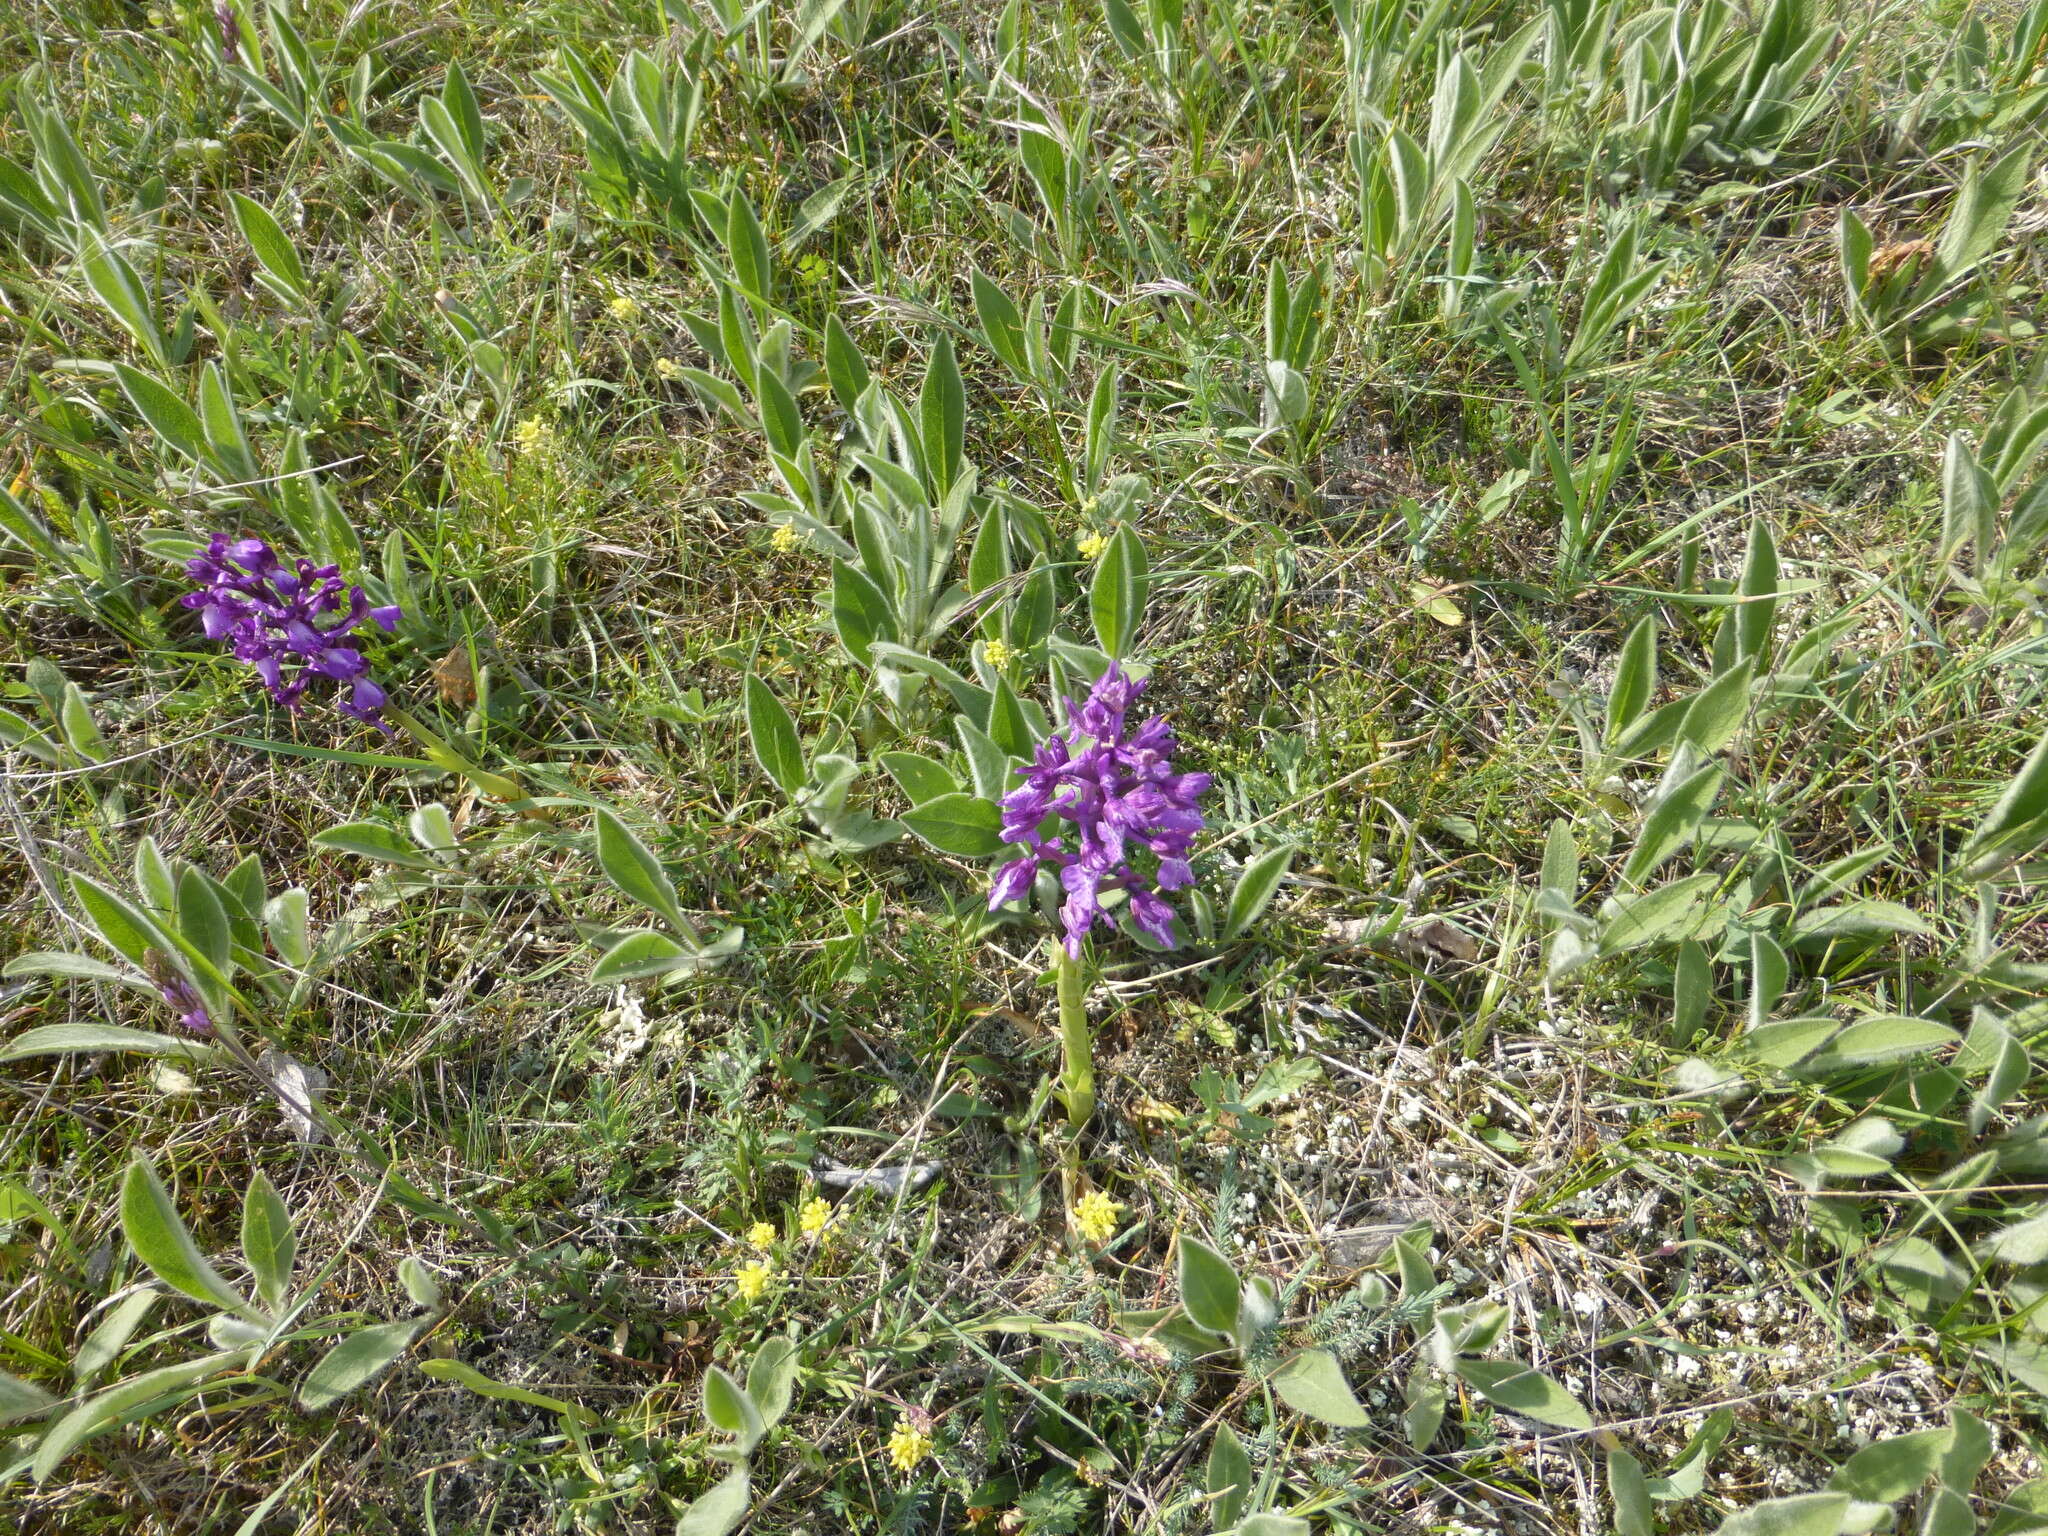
column 272, row 612
column 1118, row 793
column 175, row 990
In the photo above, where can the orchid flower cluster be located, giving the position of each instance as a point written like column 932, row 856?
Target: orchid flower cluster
column 177, row 993
column 1118, row 790
column 271, row 612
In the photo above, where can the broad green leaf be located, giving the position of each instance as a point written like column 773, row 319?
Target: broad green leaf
column 433, row 828
column 1254, row 891
column 97, row 1413
column 1983, row 209
column 640, row 953
column 269, row 1243
column 1423, row 1402
column 861, row 613
column 1208, row 1286
column 203, row 919
column 81, row 731
column 1287, row 396
column 1858, row 919
column 1561, row 860
column 1008, row 726
column 117, row 285
column 1786, row 1043
column 1853, row 248
column 845, row 369
column 728, row 1407
column 962, row 824
column 1805, row 1514
column 919, row 776
column 1968, row 1451
column 285, row 921
column 1524, row 1391
column 1716, row 713
column 2021, row 1243
column 1312, row 1382
column 771, row 1379
column 1635, row 679
column 748, row 247
column 1116, row 597
column 272, row 246
column 1002, row 326
column 1969, row 502
column 722, row 1509
column 1227, row 1478
column 19, row 1399
column 1759, row 591
column 989, row 766
column 1883, row 1038
column 1671, row 826
column 82, row 1038
column 1631, row 1494
column 1863, row 1149
column 2017, row 822
column 161, row 1240
column 1674, row 911
column 373, row 840
column 772, row 731
column 104, row 1344
column 357, row 1361
column 632, row 867
column 1274, row 1525
column 166, row 413
column 120, row 924
column 419, row 1281
column 782, row 423
column 942, row 416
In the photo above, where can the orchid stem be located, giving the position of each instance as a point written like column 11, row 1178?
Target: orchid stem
column 1077, row 1071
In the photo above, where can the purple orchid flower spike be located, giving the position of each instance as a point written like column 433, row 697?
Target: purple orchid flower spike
column 272, row 613
column 177, row 993
column 1112, row 791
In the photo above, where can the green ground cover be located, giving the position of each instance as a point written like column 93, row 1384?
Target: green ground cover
column 1571, row 474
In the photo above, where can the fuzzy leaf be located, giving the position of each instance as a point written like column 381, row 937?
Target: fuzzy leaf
column 1312, row 1382
column 1524, row 1391
column 162, row 1241
column 357, row 1361
column 1208, row 1286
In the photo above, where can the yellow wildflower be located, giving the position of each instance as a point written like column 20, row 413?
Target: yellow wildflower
column 1095, row 1216
column 908, row 1445
column 623, row 309
column 785, row 540
column 534, row 436
column 669, row 369
column 760, row 1235
column 752, row 1280
column 815, row 1216
column 999, row 653
column 1091, row 544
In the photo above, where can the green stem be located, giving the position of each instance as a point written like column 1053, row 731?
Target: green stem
column 1077, row 1072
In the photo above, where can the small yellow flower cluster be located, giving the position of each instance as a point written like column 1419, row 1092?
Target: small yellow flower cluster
column 761, row 1236
column 1000, row 653
column 785, row 539
column 752, row 1280
column 534, row 437
column 668, row 369
column 908, row 1445
column 623, row 309
column 1095, row 1216
column 815, row 1216
column 1091, row 544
